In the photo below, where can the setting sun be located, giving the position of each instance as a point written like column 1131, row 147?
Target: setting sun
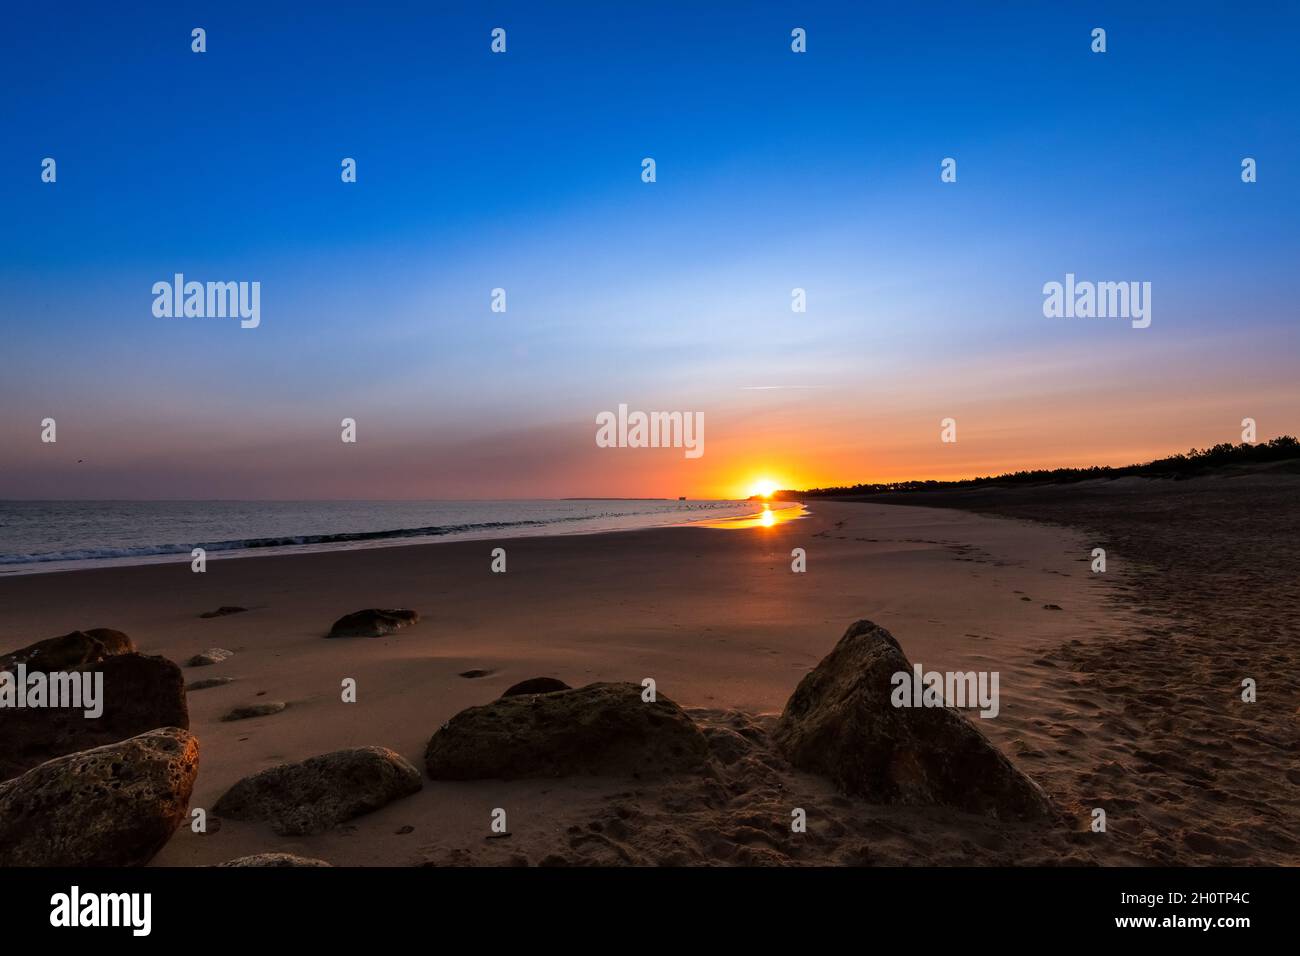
column 764, row 488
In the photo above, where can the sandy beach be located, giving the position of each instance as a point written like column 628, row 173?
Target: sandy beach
column 715, row 617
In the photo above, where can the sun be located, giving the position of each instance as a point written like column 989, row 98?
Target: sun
column 764, row 488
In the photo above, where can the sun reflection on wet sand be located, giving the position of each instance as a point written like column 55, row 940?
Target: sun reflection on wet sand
column 767, row 518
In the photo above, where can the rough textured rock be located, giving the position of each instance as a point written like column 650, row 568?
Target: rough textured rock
column 224, row 611
column 140, row 693
column 110, row 806
column 213, row 655
column 255, row 710
column 71, row 651
column 372, row 622
column 317, row 793
column 841, row 724
column 536, row 685
column 598, row 729
column 275, row 859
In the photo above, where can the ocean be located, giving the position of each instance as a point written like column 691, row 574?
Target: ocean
column 38, row 536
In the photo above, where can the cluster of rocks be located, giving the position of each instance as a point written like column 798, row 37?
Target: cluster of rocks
column 140, row 693
column 840, row 723
column 70, row 798
column 111, row 791
column 103, row 792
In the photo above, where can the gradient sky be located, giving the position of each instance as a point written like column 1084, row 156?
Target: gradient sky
column 775, row 170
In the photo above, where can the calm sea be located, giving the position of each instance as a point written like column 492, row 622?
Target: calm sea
column 40, row 536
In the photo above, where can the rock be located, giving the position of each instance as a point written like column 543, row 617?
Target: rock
column 476, row 672
column 209, row 682
column 1051, row 607
column 139, row 693
column 373, row 622
column 213, row 655
column 536, row 685
column 275, row 859
column 320, row 792
column 70, row 652
column 597, row 729
column 224, row 611
column 111, row 806
column 840, row 723
column 256, row 710
column 726, row 745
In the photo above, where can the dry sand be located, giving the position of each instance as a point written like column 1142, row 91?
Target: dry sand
column 1211, row 569
column 725, row 628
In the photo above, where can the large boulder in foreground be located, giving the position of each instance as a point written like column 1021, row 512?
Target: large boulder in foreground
column 139, row 693
column 111, row 806
column 373, row 622
column 602, row 729
column 69, row 652
column 840, row 723
column 317, row 793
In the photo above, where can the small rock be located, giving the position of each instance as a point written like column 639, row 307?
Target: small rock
column 274, row 859
column 536, row 685
column 597, row 729
column 213, row 655
column 320, row 792
column 402, row 831
column 209, row 682
column 256, row 710
column 223, row 611
column 111, row 806
column 1051, row 607
column 471, row 674
column 373, row 622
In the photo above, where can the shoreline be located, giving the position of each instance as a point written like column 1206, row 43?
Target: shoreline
column 365, row 541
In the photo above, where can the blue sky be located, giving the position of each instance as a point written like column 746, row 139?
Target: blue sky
column 522, row 171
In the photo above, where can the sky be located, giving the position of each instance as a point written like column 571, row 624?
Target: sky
column 522, row 170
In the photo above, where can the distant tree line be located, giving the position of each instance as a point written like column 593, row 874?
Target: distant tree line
column 1196, row 461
